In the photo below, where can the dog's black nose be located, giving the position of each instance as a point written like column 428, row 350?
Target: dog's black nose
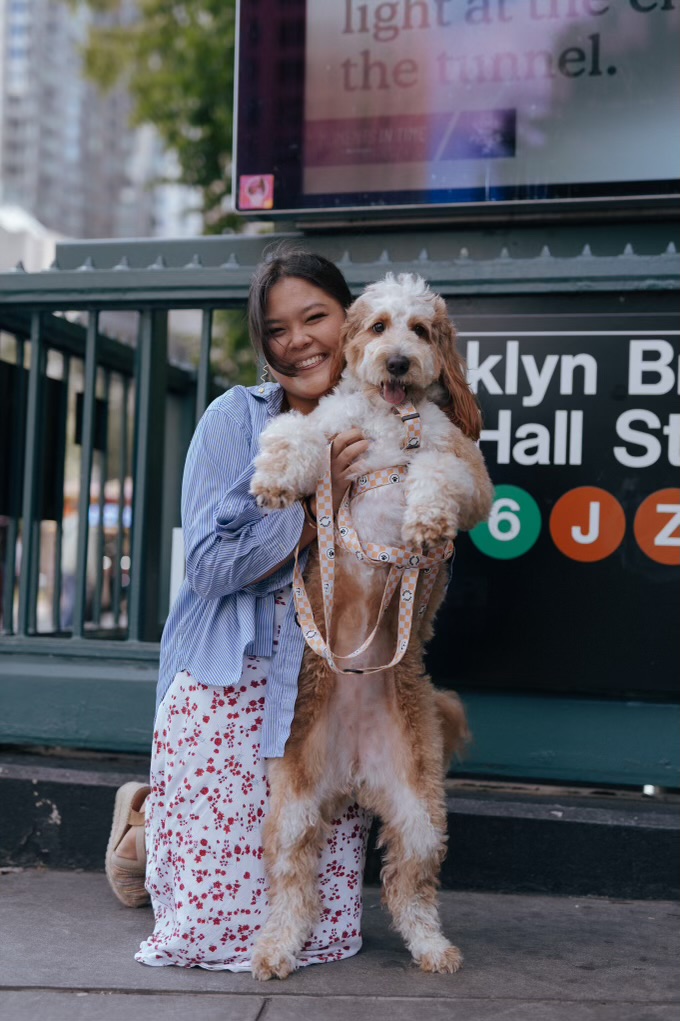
column 398, row 365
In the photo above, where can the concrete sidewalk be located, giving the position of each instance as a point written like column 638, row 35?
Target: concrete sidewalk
column 67, row 953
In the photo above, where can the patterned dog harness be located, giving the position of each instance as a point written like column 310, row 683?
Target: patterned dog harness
column 404, row 564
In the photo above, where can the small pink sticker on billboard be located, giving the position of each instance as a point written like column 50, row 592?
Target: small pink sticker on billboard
column 256, row 191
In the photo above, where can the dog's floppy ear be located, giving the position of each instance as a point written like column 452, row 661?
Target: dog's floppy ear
column 354, row 321
column 339, row 359
column 462, row 407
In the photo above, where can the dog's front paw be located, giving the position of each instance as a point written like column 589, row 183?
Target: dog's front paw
column 271, row 493
column 443, row 961
column 271, row 484
column 271, row 962
column 428, row 527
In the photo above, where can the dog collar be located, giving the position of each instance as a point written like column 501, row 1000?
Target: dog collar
column 410, row 418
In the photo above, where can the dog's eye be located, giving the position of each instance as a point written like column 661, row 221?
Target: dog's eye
column 420, row 330
column 378, row 327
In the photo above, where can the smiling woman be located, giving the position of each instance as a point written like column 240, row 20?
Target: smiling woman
column 230, row 658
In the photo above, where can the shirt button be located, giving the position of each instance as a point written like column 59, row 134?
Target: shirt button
column 261, row 390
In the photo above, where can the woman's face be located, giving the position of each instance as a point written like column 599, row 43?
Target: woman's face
column 304, row 325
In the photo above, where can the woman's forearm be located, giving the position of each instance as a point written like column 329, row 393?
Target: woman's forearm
column 306, row 538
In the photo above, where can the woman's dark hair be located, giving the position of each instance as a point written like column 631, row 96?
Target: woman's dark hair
column 286, row 260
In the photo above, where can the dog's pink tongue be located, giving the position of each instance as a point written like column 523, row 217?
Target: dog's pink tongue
column 394, row 393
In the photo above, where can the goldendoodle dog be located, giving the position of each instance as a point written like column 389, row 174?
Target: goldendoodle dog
column 368, row 723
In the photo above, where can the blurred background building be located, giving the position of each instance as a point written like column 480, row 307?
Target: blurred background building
column 68, row 156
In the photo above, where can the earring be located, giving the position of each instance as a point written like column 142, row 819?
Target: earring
column 264, row 375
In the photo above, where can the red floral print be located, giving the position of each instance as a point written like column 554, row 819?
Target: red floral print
column 205, row 869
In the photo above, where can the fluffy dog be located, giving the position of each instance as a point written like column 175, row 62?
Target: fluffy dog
column 386, row 735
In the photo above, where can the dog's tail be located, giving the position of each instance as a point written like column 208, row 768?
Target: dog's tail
column 454, row 724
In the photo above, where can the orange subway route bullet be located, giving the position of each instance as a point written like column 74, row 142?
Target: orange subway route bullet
column 587, row 524
column 657, row 526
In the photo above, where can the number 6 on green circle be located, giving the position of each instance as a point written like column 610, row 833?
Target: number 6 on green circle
column 513, row 527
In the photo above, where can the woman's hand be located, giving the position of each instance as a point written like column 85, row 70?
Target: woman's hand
column 347, row 447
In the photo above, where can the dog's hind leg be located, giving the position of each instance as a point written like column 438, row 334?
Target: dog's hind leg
column 292, row 838
column 410, row 800
column 415, row 839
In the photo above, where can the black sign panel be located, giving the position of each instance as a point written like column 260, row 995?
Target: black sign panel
column 13, row 396
column 572, row 585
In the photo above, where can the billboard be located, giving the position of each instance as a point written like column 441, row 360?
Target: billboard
column 360, row 104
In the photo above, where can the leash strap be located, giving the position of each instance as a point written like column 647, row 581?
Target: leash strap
column 381, row 477
column 404, row 564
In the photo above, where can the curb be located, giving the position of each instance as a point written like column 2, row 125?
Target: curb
column 56, row 812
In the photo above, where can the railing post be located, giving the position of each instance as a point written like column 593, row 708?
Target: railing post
column 103, row 475
column 150, row 383
column 16, row 454
column 61, row 427
column 30, row 536
column 122, row 476
column 203, row 380
column 86, row 455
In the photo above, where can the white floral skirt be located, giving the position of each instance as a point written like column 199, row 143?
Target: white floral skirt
column 205, row 869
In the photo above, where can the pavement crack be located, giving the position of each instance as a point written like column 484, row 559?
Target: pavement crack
column 261, row 1012
column 298, row 994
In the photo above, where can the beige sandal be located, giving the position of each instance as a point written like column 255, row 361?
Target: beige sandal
column 126, row 875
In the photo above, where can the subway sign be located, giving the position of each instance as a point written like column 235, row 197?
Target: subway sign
column 573, row 583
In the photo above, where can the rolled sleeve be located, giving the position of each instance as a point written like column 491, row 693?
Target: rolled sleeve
column 259, row 540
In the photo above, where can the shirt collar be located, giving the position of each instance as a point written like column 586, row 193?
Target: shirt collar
column 271, row 394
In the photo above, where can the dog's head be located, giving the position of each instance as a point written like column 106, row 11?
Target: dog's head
column 399, row 344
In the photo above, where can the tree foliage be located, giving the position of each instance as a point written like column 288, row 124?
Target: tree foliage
column 177, row 62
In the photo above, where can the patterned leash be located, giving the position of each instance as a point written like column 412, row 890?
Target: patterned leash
column 405, row 565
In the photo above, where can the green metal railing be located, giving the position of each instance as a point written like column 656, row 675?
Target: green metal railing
column 61, row 439
column 86, row 678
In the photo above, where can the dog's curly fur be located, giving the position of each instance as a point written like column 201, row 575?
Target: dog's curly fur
column 384, row 738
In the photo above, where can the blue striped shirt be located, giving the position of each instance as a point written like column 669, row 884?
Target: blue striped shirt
column 221, row 613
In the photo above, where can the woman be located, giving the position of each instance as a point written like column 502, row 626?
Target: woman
column 230, row 657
